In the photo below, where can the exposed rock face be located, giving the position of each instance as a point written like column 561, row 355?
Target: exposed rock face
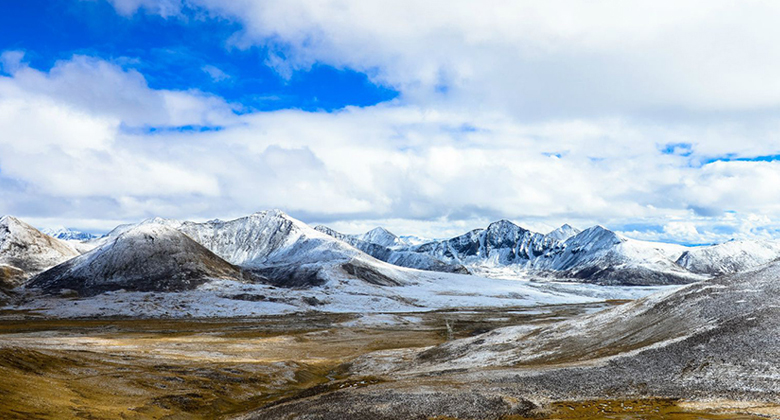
column 601, row 256
column 25, row 251
column 146, row 258
column 502, row 243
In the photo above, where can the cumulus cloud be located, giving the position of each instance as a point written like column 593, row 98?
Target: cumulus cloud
column 103, row 88
column 439, row 171
column 532, row 58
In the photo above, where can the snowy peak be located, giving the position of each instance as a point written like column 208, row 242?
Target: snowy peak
column 148, row 257
column 592, row 239
column 383, row 237
column 267, row 238
column 503, row 234
column 596, row 254
column 562, row 233
column 25, row 251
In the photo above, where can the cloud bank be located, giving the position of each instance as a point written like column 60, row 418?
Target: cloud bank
column 657, row 119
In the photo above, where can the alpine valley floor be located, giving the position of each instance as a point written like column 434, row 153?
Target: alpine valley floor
column 261, row 367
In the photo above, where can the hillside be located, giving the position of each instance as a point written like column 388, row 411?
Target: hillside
column 25, row 251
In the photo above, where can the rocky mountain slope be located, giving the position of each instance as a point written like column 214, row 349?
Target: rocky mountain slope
column 602, row 256
column 271, row 245
column 595, row 255
column 146, row 258
column 25, row 251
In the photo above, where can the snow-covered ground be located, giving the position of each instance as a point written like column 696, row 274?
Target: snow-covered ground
column 428, row 291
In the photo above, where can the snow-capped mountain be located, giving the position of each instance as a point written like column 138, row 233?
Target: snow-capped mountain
column 67, row 234
column 268, row 238
column 400, row 257
column 595, row 255
column 502, row 243
column 146, row 258
column 602, row 256
column 25, row 251
column 287, row 252
column 383, row 237
column 729, row 257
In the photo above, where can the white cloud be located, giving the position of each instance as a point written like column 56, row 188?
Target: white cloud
column 538, row 58
column 553, row 112
column 103, row 88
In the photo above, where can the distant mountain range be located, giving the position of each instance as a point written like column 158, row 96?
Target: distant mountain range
column 67, row 234
column 272, row 248
column 595, row 255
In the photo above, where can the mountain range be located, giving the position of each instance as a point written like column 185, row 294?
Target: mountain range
column 274, row 249
column 595, row 255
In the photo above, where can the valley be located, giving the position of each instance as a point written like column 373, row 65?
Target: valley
column 206, row 368
column 265, row 317
column 227, row 368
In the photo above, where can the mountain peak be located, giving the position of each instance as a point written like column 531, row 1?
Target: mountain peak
column 9, row 220
column 597, row 236
column 503, row 223
column 380, row 229
column 147, row 257
column 272, row 213
column 563, row 233
column 381, row 236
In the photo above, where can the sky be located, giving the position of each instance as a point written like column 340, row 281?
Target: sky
column 657, row 119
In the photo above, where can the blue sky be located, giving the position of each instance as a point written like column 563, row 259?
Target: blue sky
column 657, row 119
